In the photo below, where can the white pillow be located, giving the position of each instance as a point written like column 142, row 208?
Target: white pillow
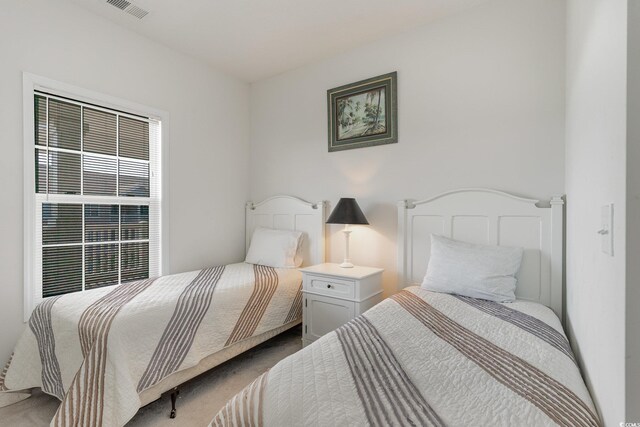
column 275, row 248
column 478, row 271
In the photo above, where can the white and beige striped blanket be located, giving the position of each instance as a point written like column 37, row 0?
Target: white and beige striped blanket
column 425, row 359
column 97, row 351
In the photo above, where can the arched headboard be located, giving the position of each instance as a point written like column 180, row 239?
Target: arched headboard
column 489, row 217
column 290, row 213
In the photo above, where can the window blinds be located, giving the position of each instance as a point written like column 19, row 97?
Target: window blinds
column 97, row 191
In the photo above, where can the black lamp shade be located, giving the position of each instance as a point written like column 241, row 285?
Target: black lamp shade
column 347, row 211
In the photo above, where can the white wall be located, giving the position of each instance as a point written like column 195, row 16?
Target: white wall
column 595, row 175
column 480, row 101
column 633, row 214
column 208, row 131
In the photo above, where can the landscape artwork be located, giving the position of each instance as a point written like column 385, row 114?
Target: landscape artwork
column 363, row 114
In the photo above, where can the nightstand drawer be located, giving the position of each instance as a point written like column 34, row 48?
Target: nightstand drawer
column 330, row 286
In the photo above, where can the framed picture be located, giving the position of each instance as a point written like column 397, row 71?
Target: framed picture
column 364, row 113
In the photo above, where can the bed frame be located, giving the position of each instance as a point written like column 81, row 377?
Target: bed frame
column 491, row 217
column 279, row 212
column 290, row 213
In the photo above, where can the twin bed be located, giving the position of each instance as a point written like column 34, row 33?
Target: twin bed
column 106, row 352
column 417, row 358
column 431, row 359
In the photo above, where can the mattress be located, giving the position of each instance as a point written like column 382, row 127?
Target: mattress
column 100, row 350
column 429, row 359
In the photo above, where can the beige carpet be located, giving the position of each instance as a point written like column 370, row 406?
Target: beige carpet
column 199, row 400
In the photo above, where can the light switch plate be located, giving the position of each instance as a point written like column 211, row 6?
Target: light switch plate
column 606, row 229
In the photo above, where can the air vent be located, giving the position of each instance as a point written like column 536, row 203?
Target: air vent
column 137, row 11
column 120, row 4
column 131, row 9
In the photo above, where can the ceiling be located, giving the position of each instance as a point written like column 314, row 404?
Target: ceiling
column 256, row 39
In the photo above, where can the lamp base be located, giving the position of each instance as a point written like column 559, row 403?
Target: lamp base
column 347, row 259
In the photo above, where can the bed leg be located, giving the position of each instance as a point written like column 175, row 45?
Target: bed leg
column 174, row 394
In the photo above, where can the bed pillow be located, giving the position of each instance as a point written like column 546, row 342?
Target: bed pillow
column 478, row 271
column 275, row 248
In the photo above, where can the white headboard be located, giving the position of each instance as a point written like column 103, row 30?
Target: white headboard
column 290, row 213
column 489, row 217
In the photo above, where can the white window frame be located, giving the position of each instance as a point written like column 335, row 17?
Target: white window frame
column 32, row 83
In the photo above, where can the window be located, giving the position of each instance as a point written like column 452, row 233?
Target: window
column 95, row 199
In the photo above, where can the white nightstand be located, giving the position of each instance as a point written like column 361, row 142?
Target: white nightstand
column 334, row 295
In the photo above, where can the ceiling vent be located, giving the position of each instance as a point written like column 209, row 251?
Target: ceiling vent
column 120, row 4
column 131, row 9
column 136, row 11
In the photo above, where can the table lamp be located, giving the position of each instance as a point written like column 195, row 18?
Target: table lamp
column 347, row 212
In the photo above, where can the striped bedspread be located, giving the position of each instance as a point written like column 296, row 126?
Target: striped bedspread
column 425, row 359
column 96, row 351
